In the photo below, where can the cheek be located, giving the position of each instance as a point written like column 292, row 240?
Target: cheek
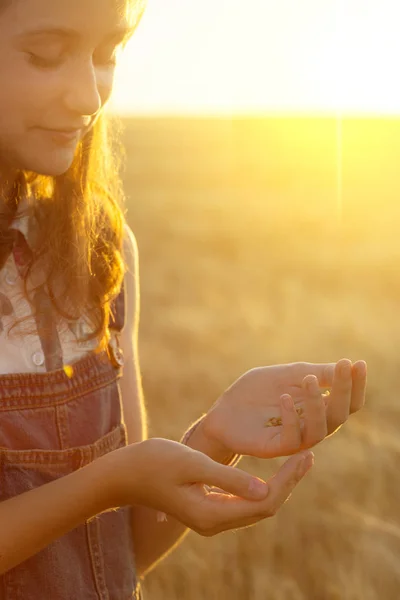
column 105, row 84
column 47, row 87
column 26, row 91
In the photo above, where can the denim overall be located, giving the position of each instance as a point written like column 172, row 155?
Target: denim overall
column 52, row 424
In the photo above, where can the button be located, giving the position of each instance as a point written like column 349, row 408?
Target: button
column 38, row 358
column 11, row 279
column 119, row 357
column 116, row 354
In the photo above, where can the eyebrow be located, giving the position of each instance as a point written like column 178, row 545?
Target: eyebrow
column 120, row 33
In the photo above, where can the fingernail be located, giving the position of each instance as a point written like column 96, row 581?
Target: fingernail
column 305, row 464
column 361, row 369
column 300, row 466
column 258, row 488
column 288, row 402
column 345, row 369
column 312, row 383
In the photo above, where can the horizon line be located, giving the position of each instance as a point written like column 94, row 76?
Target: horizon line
column 254, row 115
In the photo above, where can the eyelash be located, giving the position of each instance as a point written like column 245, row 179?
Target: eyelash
column 53, row 64
column 42, row 62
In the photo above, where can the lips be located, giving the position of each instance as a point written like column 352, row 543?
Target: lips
column 70, row 132
column 63, row 136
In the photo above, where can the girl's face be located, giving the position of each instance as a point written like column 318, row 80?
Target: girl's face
column 57, row 62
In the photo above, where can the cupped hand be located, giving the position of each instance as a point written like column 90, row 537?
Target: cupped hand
column 282, row 409
column 200, row 493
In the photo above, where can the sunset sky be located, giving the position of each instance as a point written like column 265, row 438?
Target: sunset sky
column 258, row 56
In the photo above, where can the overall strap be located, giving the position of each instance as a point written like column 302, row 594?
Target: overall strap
column 116, row 325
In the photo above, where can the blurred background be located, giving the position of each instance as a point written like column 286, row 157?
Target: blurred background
column 262, row 180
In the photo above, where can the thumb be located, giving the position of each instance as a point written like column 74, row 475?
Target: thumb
column 233, row 480
column 282, row 484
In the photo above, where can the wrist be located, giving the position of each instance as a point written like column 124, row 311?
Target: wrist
column 104, row 470
column 119, row 488
column 196, row 438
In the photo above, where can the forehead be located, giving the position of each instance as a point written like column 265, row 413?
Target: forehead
column 89, row 17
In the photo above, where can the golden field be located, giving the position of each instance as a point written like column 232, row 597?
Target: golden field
column 261, row 244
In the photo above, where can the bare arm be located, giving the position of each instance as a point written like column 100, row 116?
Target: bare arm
column 32, row 520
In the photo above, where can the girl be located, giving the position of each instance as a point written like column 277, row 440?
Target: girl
column 84, row 495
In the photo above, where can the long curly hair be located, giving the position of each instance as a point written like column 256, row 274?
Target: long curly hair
column 81, row 217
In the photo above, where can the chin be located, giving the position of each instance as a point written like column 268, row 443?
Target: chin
column 53, row 164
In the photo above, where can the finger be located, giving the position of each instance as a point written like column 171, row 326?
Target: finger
column 315, row 426
column 281, row 487
column 324, row 372
column 282, row 484
column 231, row 479
column 338, row 409
column 240, row 513
column 326, row 396
column 359, row 377
column 290, row 433
column 297, row 393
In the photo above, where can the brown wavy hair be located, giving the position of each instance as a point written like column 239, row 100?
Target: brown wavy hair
column 80, row 216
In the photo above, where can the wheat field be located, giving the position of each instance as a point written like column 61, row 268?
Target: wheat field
column 259, row 244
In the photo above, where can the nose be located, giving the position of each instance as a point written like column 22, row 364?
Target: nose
column 82, row 95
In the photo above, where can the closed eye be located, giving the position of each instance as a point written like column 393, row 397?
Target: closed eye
column 106, row 57
column 40, row 61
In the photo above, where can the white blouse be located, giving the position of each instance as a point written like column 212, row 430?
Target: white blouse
column 24, row 354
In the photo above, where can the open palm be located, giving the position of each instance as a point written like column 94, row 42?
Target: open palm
column 282, row 409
